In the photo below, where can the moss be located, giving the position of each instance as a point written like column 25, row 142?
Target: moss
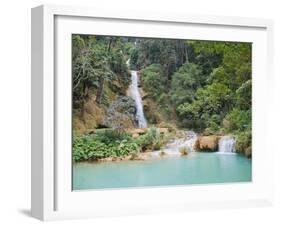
column 91, row 118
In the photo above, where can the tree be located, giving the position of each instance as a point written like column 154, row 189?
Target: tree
column 184, row 84
column 210, row 106
column 153, row 80
column 103, row 78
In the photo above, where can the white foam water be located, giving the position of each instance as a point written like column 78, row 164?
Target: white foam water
column 135, row 94
column 227, row 145
column 173, row 147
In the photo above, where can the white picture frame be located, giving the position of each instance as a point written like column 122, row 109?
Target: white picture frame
column 52, row 197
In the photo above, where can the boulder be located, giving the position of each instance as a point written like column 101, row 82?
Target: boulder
column 121, row 114
column 138, row 131
column 163, row 130
column 108, row 159
column 206, row 143
column 141, row 156
column 135, row 135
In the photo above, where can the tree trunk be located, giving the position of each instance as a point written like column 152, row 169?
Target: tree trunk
column 84, row 99
column 186, row 55
column 101, row 80
column 100, row 90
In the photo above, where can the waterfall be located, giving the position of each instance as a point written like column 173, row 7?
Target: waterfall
column 191, row 139
column 174, row 146
column 227, row 145
column 135, row 94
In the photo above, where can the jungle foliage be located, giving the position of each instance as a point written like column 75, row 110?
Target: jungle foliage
column 200, row 85
column 111, row 143
column 96, row 60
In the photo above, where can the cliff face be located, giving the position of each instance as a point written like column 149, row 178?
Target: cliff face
column 121, row 114
column 89, row 118
column 115, row 111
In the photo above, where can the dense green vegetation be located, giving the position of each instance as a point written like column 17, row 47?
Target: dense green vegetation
column 99, row 72
column 111, row 143
column 106, row 143
column 203, row 86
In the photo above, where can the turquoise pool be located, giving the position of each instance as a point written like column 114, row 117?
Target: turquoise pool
column 196, row 168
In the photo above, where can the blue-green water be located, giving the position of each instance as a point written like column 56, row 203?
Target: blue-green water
column 196, row 168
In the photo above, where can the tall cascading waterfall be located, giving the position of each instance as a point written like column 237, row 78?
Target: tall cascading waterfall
column 135, row 94
column 227, row 145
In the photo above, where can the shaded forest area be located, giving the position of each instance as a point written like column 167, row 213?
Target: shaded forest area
column 203, row 86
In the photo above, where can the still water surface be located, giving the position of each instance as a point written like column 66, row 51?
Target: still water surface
column 196, row 168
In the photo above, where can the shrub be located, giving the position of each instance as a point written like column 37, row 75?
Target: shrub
column 96, row 147
column 126, row 148
column 169, row 126
column 108, row 136
column 243, row 141
column 237, row 120
column 208, row 132
column 84, row 148
column 152, row 111
column 152, row 140
column 153, row 80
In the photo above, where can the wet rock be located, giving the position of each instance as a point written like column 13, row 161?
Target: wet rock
column 109, row 159
column 163, row 130
column 206, row 143
column 138, row 131
column 184, row 151
column 121, row 114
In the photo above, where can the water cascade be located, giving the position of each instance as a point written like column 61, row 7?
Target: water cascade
column 174, row 146
column 135, row 94
column 227, row 145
